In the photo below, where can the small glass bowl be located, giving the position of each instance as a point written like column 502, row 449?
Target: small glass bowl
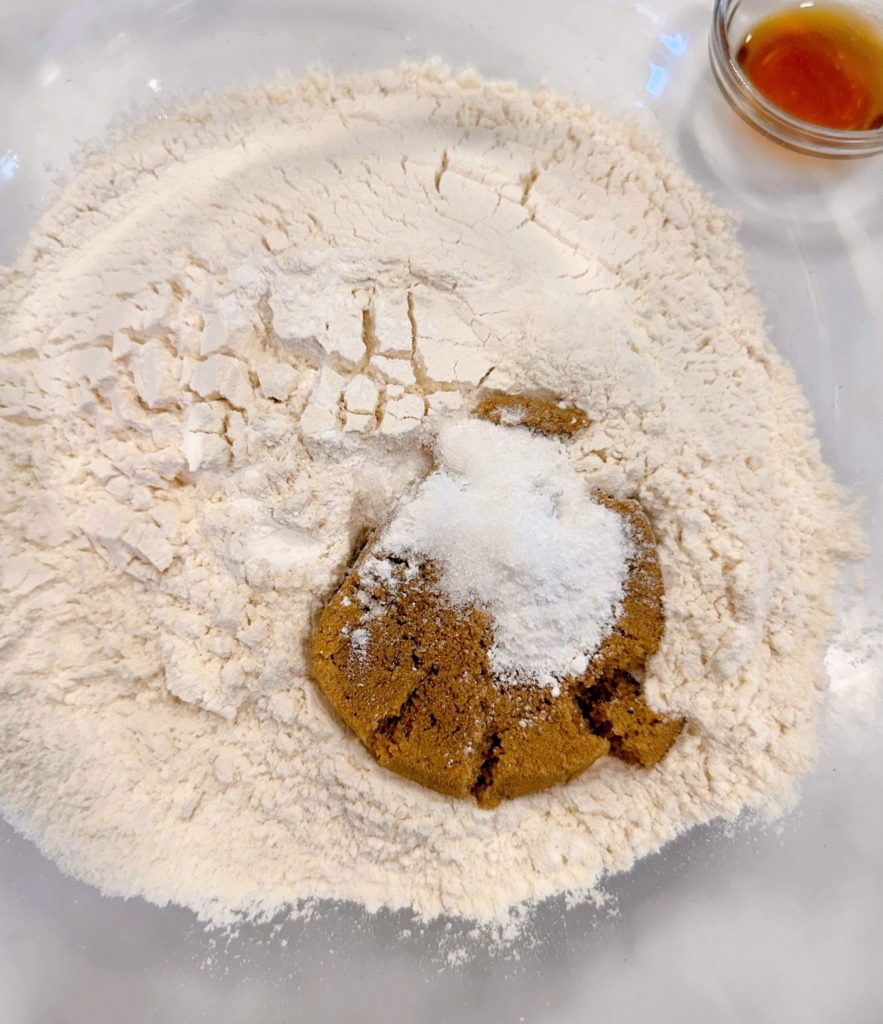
column 732, row 20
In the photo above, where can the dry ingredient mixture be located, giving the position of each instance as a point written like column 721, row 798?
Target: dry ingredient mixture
column 485, row 641
column 219, row 348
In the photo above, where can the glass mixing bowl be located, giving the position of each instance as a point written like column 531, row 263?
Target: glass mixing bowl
column 764, row 924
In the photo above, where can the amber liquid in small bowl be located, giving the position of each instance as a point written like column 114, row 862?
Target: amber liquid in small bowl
column 822, row 64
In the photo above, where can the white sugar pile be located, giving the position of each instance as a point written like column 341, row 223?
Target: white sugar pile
column 511, row 526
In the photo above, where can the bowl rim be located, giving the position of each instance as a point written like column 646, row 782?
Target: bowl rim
column 771, row 120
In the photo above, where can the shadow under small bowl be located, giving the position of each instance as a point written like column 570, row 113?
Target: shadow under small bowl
column 732, row 20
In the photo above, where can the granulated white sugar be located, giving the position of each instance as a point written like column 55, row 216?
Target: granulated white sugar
column 219, row 349
column 509, row 524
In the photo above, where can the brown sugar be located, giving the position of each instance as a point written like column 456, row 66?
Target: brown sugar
column 410, row 675
column 636, row 633
column 542, row 416
column 636, row 733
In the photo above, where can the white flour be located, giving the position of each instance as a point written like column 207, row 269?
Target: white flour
column 512, row 528
column 217, row 351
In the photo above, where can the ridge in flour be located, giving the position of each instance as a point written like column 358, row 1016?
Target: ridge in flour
column 218, row 350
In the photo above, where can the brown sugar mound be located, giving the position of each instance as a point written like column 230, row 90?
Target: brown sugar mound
column 410, row 675
column 418, row 692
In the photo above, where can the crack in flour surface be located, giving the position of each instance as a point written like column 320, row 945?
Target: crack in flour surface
column 219, row 350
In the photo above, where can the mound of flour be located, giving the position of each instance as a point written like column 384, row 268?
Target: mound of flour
column 219, row 348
